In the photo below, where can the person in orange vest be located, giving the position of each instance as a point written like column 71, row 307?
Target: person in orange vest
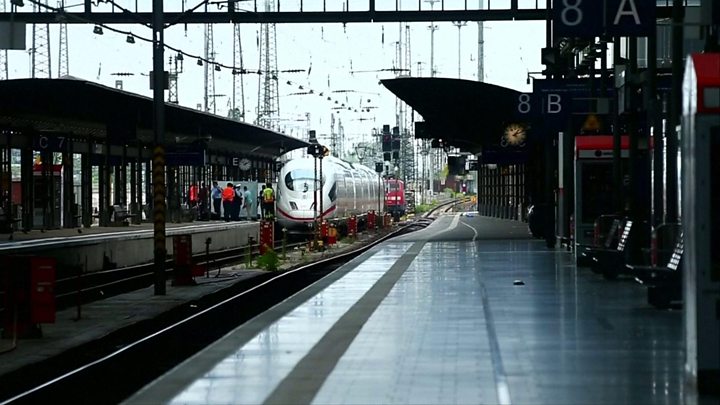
column 193, row 195
column 228, row 195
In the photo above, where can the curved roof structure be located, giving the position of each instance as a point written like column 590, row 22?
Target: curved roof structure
column 89, row 109
column 464, row 113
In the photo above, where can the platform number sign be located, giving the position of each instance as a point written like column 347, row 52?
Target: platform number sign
column 51, row 143
column 540, row 104
column 591, row 18
column 524, row 104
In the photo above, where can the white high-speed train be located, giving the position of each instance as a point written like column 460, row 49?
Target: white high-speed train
column 347, row 189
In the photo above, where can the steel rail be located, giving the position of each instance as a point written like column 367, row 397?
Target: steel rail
column 75, row 382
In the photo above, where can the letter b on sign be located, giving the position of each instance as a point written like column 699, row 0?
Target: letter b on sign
column 553, row 104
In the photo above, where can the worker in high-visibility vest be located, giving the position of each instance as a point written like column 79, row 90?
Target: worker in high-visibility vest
column 268, row 201
column 228, row 195
column 193, row 195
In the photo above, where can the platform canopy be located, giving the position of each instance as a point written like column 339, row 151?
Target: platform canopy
column 466, row 114
column 82, row 108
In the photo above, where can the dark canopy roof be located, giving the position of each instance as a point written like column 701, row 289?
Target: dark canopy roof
column 89, row 109
column 467, row 114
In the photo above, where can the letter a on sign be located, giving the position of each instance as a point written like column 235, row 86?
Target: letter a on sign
column 623, row 11
column 630, row 17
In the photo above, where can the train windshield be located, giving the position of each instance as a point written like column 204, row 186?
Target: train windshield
column 393, row 186
column 303, row 176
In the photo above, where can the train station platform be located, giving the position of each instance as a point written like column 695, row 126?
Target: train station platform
column 91, row 249
column 469, row 310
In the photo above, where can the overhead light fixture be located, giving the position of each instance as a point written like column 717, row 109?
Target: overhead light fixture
column 98, row 30
column 130, row 39
column 235, row 72
column 217, row 68
column 18, row 3
column 199, row 62
column 179, row 57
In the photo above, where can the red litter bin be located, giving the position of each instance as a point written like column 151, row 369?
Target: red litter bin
column 29, row 285
column 183, row 267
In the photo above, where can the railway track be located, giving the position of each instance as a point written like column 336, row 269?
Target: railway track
column 113, row 367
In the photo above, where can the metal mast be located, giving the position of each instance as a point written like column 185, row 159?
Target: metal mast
column 340, row 140
column 4, row 70
column 333, row 136
column 432, row 29
column 175, row 68
column 268, row 96
column 399, row 105
column 408, row 142
column 459, row 24
column 40, row 52
column 430, row 162
column 209, row 70
column 481, row 49
column 63, row 51
column 238, row 110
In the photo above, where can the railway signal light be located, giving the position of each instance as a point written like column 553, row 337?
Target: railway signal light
column 386, row 143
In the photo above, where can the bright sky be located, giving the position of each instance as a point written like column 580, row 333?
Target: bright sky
column 512, row 49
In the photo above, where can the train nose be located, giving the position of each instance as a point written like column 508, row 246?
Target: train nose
column 299, row 215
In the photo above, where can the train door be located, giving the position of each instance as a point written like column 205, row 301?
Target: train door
column 593, row 182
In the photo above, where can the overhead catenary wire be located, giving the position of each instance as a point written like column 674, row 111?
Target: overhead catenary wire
column 233, row 69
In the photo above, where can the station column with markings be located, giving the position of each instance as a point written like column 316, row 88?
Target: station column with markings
column 158, row 163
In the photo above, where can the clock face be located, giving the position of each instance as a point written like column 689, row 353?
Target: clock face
column 514, row 135
column 244, row 164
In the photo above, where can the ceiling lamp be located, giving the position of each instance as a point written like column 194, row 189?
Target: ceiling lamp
column 130, row 39
column 98, row 30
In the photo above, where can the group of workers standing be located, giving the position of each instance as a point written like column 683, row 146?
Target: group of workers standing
column 230, row 201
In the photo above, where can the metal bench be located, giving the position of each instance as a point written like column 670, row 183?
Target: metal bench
column 121, row 215
column 605, row 237
column 611, row 262
column 664, row 282
column 8, row 224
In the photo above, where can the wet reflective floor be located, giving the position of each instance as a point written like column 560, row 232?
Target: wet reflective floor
column 473, row 320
